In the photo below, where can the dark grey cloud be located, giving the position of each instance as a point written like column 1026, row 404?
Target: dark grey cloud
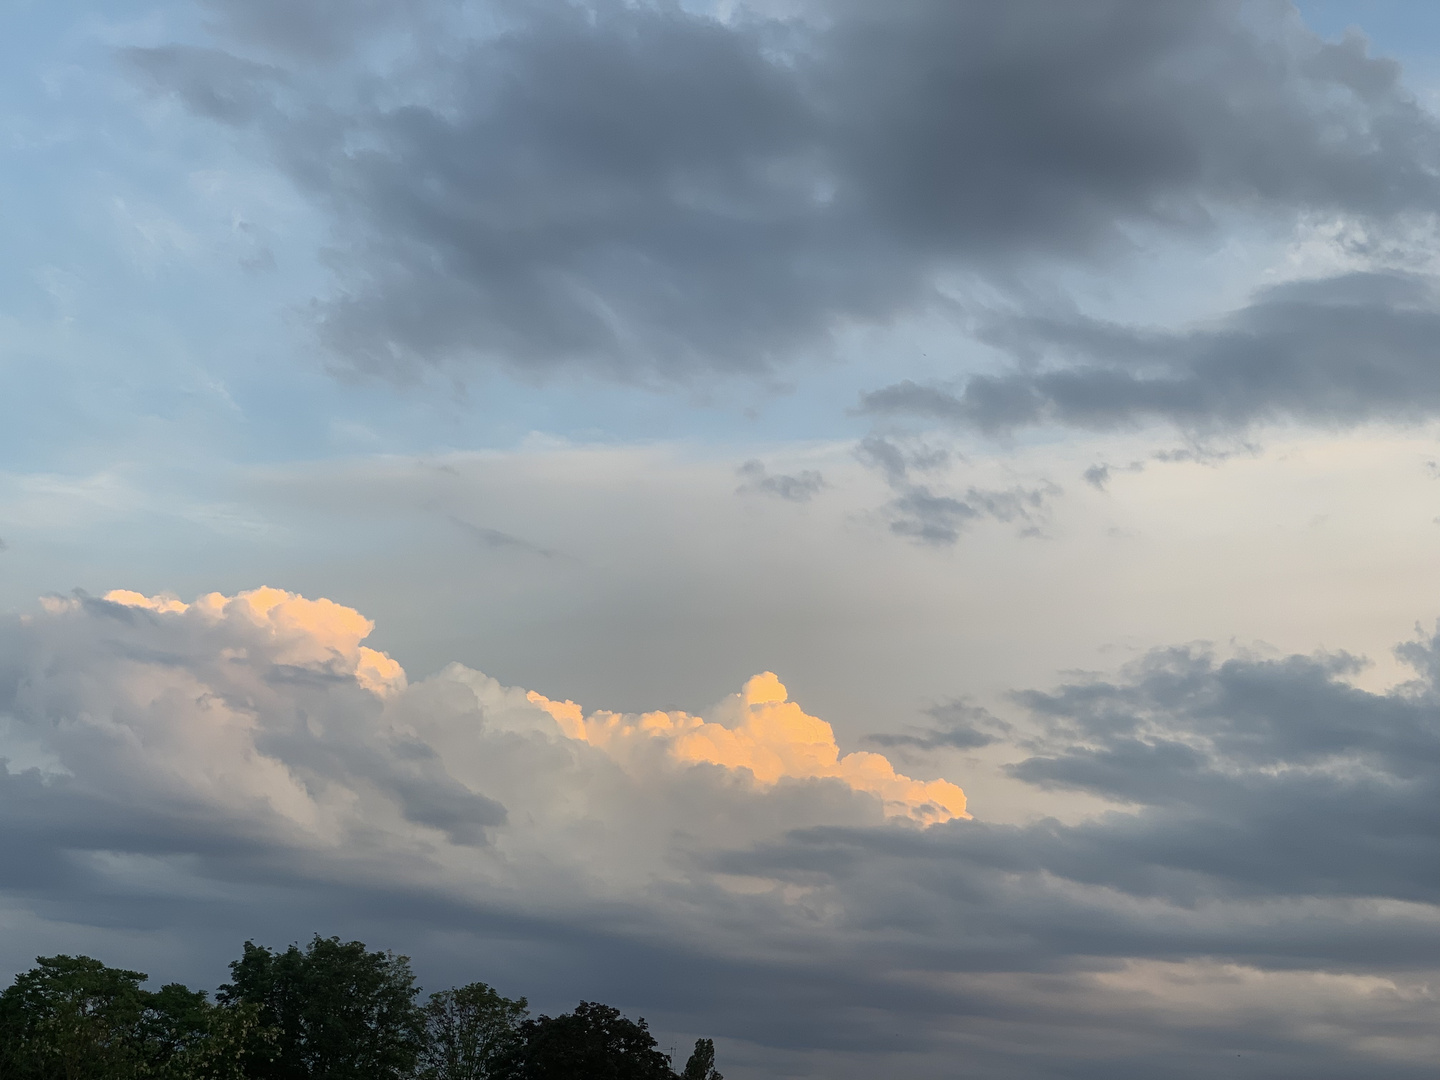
column 1272, row 776
column 1277, row 818
column 959, row 725
column 930, row 518
column 898, row 460
column 1336, row 351
column 801, row 487
column 920, row 513
column 1212, row 454
column 656, row 193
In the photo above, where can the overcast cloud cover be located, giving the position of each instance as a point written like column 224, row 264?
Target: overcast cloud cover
column 1274, row 828
column 944, row 494
column 660, row 191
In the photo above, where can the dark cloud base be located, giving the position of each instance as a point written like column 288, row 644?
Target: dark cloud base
column 655, row 195
column 1274, row 826
column 1337, row 352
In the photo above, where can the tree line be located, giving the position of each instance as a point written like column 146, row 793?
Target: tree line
column 331, row 1011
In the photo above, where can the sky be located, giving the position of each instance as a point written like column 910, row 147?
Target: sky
column 902, row 538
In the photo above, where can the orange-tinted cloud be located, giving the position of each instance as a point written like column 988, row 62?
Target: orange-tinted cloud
column 758, row 729
column 761, row 730
column 304, row 631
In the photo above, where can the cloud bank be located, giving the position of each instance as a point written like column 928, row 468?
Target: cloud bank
column 264, row 714
column 1338, row 351
column 657, row 193
column 1261, row 894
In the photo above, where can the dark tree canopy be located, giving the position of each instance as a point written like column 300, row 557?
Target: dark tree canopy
column 73, row 1018
column 187, row 1037
column 594, row 1042
column 701, row 1065
column 470, row 1032
column 331, row 1011
column 339, row 1012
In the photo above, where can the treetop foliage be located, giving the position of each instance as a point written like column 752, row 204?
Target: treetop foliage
column 332, row 1010
column 73, row 1018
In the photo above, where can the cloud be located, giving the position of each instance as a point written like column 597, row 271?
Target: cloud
column 959, row 726
column 655, row 193
column 1334, row 351
column 897, row 461
column 761, row 731
column 304, row 633
column 1265, row 776
column 802, row 487
column 310, row 29
column 1264, row 884
column 495, row 540
column 922, row 515
column 264, row 708
column 211, row 82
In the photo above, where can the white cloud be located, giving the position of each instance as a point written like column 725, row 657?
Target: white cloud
column 264, row 714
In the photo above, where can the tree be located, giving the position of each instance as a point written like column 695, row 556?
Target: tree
column 186, row 1037
column 72, row 1018
column 701, row 1065
column 339, row 1012
column 469, row 1032
column 594, row 1043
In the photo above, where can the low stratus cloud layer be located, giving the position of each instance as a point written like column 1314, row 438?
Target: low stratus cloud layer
column 1267, row 871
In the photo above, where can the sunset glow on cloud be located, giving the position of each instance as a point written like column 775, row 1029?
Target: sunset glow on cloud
column 759, row 730
column 762, row 731
column 305, row 631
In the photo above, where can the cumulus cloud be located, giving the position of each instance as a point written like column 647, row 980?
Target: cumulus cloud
column 265, row 712
column 245, row 761
column 761, row 731
column 306, row 633
column 656, row 192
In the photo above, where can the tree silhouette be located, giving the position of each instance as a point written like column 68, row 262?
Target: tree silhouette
column 73, row 1018
column 701, row 1065
column 331, row 1011
column 469, row 1032
column 594, row 1042
column 186, row 1037
column 338, row 1011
